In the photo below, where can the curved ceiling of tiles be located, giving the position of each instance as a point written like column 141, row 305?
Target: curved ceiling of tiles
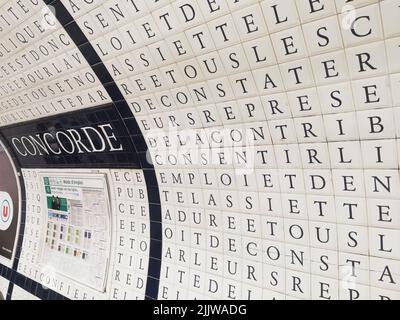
column 199, row 149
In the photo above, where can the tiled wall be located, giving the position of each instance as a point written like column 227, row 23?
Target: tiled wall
column 272, row 169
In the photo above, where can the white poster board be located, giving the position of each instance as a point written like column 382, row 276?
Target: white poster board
column 76, row 237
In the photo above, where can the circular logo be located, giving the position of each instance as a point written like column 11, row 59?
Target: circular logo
column 6, row 211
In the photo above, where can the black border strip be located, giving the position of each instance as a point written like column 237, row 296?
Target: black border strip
column 98, row 67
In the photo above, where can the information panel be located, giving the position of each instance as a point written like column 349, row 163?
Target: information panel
column 77, row 233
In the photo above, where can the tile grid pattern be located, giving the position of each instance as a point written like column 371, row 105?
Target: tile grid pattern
column 309, row 76
column 315, row 91
column 124, row 114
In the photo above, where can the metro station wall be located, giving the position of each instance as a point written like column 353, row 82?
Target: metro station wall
column 242, row 149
